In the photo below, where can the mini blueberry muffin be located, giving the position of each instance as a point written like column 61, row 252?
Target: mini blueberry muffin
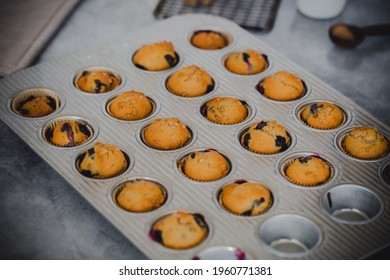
column 37, row 106
column 130, row 106
column 205, row 166
column 156, row 57
column 322, row 115
column 68, row 133
column 225, row 110
column 246, row 198
column 180, row 230
column 248, row 62
column 365, row 143
column 282, row 86
column 140, row 196
column 266, row 137
column 102, row 161
column 208, row 40
column 190, row 81
column 97, row 81
column 166, row 134
column 308, row 171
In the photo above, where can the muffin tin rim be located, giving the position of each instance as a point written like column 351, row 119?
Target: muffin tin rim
column 96, row 67
column 228, row 35
column 57, row 118
column 8, row 103
column 381, row 169
column 228, row 248
column 300, row 106
column 350, row 185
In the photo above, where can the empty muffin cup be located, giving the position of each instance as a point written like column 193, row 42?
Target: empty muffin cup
column 290, row 235
column 222, row 253
column 351, row 204
column 97, row 80
column 68, row 132
column 384, row 173
column 139, row 195
column 333, row 117
column 35, row 103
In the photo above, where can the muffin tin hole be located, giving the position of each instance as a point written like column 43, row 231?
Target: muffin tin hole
column 222, row 253
column 351, row 204
column 35, row 103
column 97, row 80
column 290, row 235
column 384, row 173
column 339, row 141
column 245, row 198
column 129, row 162
column 204, row 167
column 68, row 132
column 218, row 115
column 139, row 195
column 346, row 115
column 210, row 39
column 244, row 138
column 304, row 175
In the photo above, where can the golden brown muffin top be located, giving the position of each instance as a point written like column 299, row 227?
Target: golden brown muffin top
column 180, row 230
column 97, row 81
column 37, row 106
column 308, row 171
column 225, row 110
column 140, row 196
column 208, row 40
column 131, row 105
column 190, row 81
column 248, row 62
column 266, row 137
column 156, row 56
column 322, row 115
column 246, row 198
column 282, row 86
column 69, row 133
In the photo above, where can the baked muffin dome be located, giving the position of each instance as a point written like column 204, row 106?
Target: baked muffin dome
column 68, row 133
column 166, row 134
column 308, row 171
column 97, row 81
column 225, row 110
column 282, row 86
column 208, row 165
column 102, row 161
column 365, row 143
column 248, row 62
column 130, row 106
column 37, row 106
column 208, row 40
column 266, row 137
column 180, row 230
column 246, row 198
column 140, row 196
column 322, row 115
column 190, row 81
column 156, row 57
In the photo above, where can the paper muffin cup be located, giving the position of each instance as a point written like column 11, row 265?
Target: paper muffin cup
column 182, row 158
column 87, row 126
column 340, row 139
column 142, row 140
column 97, row 69
column 222, row 206
column 25, row 95
column 119, row 187
column 347, row 116
column 286, row 162
column 242, row 131
column 155, row 108
column 251, row 111
column 79, row 158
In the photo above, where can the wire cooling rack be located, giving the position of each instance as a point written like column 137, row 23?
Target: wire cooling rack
column 256, row 15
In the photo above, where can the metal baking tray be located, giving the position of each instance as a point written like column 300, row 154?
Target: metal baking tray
column 299, row 225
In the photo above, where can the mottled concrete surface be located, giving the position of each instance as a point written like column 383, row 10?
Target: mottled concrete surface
column 43, row 217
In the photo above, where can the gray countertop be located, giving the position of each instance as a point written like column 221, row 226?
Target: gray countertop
column 43, row 217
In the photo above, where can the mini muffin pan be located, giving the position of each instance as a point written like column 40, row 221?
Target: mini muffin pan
column 347, row 217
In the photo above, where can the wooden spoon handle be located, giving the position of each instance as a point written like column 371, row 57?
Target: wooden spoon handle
column 377, row 30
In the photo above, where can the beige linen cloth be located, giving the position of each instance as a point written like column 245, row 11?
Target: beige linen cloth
column 25, row 27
